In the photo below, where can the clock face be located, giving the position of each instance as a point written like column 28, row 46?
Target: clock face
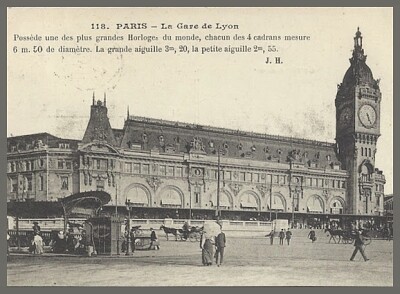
column 367, row 115
column 345, row 117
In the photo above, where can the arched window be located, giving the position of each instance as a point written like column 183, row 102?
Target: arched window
column 336, row 207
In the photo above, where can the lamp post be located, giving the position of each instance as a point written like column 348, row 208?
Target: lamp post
column 128, row 241
column 218, row 178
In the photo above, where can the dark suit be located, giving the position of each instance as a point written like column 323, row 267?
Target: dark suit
column 358, row 244
column 220, row 242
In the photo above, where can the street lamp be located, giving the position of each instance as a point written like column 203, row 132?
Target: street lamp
column 128, row 241
column 218, row 211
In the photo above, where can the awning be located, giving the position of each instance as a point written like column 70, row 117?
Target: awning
column 314, row 206
column 171, row 201
column 224, row 202
column 277, row 204
column 248, row 205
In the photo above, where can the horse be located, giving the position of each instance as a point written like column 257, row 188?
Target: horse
column 172, row 231
column 333, row 234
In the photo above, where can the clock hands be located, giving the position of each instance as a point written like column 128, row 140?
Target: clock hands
column 369, row 119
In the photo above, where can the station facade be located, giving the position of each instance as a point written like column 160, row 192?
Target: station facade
column 174, row 169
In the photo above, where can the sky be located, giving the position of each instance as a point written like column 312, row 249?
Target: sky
column 53, row 92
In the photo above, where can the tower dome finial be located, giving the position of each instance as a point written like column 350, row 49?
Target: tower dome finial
column 93, row 97
column 105, row 99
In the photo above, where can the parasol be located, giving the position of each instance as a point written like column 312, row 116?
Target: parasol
column 212, row 228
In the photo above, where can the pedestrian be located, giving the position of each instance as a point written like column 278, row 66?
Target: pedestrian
column 154, row 240
column 38, row 241
column 220, row 242
column 311, row 235
column 8, row 244
column 207, row 248
column 358, row 244
column 271, row 237
column 281, row 237
column 36, row 228
column 288, row 236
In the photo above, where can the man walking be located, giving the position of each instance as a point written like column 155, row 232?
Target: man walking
column 281, row 237
column 271, row 237
column 153, row 240
column 358, row 244
column 220, row 242
column 288, row 236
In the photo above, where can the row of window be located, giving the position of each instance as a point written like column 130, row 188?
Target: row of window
column 27, row 185
column 64, row 164
column 26, row 165
column 379, row 187
column 366, row 151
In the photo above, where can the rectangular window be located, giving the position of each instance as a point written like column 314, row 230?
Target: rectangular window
column 343, row 184
column 228, row 175
column 12, row 167
column 338, row 184
column 68, row 165
column 296, row 202
column 249, row 177
column 242, row 176
column 282, row 180
column 98, row 163
column 128, row 167
column 14, row 184
column 136, row 168
column 276, row 179
column 41, row 162
column 170, row 171
column 269, row 178
column 179, row 171
column 60, row 164
column 64, row 183
column 100, row 185
column 145, row 169
column 257, row 178
column 315, row 182
column 309, row 182
column 321, row 182
column 32, row 164
column 163, row 170
column 41, row 183
column 29, row 183
column 215, row 174
column 27, row 165
column 197, row 194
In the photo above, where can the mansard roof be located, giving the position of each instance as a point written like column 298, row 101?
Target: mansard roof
column 177, row 137
column 31, row 141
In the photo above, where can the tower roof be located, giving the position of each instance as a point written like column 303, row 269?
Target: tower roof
column 359, row 72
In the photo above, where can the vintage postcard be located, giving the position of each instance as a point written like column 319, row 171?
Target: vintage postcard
column 239, row 145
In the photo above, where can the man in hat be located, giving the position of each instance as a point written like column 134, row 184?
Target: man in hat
column 281, row 237
column 220, row 242
column 36, row 228
column 153, row 240
column 359, row 245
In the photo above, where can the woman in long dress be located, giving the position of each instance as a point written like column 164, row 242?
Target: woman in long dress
column 38, row 241
column 207, row 246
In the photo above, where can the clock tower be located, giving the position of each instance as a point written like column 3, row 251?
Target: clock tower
column 357, row 131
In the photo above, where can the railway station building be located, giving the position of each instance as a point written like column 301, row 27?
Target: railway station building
column 169, row 169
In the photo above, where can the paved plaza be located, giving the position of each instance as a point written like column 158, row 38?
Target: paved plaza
column 248, row 262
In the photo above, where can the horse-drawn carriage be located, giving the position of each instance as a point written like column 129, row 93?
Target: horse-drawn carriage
column 191, row 233
column 348, row 236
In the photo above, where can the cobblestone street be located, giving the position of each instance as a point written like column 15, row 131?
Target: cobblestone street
column 248, row 262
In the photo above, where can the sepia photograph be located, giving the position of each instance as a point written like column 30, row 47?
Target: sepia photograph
column 200, row 146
